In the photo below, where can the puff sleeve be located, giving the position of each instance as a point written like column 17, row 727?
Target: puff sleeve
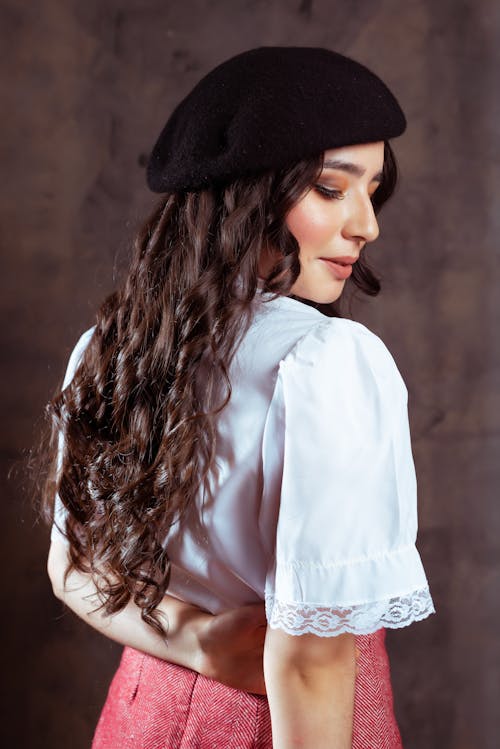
column 337, row 460
column 72, row 366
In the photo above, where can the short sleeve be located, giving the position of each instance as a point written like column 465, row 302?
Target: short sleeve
column 72, row 366
column 337, row 458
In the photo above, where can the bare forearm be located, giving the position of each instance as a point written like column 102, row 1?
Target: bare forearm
column 227, row 647
column 182, row 622
column 311, row 701
column 310, row 717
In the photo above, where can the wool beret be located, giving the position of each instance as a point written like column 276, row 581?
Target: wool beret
column 266, row 109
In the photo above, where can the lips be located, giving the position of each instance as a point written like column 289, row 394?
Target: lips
column 340, row 270
column 341, row 260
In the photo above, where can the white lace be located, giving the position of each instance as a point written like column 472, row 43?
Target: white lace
column 364, row 618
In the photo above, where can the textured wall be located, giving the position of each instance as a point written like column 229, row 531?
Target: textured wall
column 85, row 87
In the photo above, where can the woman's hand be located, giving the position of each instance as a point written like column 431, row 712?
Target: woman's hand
column 232, row 646
column 227, row 647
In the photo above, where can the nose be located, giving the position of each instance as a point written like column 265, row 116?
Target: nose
column 361, row 222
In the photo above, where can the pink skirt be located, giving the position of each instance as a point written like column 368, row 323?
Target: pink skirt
column 153, row 704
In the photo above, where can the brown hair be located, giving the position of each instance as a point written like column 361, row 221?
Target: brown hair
column 137, row 434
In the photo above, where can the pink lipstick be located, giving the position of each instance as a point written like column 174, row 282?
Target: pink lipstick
column 339, row 270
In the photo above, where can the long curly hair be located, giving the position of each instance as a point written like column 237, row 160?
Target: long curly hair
column 136, row 436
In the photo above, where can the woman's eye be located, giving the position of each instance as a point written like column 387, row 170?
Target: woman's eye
column 329, row 193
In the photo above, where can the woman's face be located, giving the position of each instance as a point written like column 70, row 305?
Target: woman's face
column 335, row 219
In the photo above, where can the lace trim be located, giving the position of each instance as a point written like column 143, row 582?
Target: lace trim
column 361, row 619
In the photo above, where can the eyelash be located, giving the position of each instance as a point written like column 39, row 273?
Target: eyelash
column 334, row 194
column 330, row 194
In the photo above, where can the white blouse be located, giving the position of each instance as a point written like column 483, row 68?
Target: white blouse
column 314, row 509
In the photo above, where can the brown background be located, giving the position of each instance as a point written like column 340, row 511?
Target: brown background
column 85, row 89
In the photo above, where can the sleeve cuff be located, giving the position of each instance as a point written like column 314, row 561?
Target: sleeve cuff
column 361, row 619
column 360, row 595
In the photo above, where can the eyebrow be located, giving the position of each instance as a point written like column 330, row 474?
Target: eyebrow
column 350, row 168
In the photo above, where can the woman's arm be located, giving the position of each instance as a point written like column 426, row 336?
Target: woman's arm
column 227, row 647
column 310, row 687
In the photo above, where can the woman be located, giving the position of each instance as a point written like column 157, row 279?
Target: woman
column 227, row 438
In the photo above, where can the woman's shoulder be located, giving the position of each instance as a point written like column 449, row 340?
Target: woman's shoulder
column 343, row 344
column 278, row 312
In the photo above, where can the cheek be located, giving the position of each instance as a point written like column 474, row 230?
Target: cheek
column 310, row 222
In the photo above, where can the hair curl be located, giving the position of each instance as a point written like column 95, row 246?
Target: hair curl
column 137, row 436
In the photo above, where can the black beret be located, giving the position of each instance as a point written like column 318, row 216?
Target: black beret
column 268, row 108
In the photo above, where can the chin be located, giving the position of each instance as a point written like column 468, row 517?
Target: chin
column 320, row 293
column 323, row 296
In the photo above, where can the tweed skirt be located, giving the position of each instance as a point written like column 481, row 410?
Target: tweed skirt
column 152, row 704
